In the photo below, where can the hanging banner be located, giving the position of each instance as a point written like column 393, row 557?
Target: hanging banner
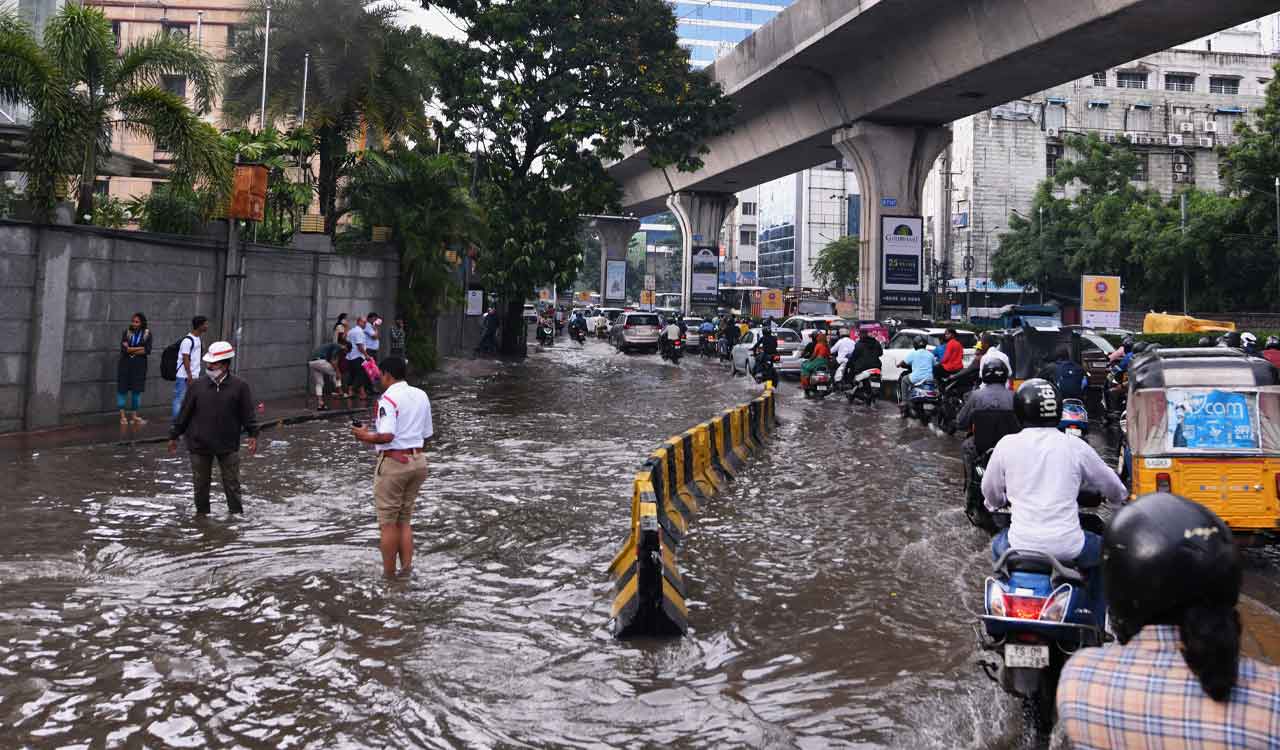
column 706, row 274
column 615, row 280
column 902, row 271
column 1100, row 301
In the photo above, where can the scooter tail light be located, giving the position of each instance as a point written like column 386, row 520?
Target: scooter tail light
column 1055, row 610
column 1163, row 483
column 1024, row 607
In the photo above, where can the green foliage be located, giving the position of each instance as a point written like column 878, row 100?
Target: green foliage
column 111, row 212
column 176, row 208
column 367, row 77
column 837, row 264
column 81, row 90
column 546, row 93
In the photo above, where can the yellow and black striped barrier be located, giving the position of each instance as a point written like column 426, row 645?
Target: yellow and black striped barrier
column 687, row 470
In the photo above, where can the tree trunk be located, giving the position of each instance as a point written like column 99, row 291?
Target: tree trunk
column 88, row 174
column 514, row 329
column 332, row 148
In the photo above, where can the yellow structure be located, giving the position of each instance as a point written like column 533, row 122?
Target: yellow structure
column 1164, row 323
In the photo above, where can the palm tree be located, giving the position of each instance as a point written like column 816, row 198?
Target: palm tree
column 80, row 90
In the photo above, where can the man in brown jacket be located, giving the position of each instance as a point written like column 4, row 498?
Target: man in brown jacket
column 215, row 410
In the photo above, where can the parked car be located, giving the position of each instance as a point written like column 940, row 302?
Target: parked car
column 789, row 346
column 635, row 330
column 900, row 345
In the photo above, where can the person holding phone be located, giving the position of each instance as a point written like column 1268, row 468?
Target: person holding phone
column 403, row 426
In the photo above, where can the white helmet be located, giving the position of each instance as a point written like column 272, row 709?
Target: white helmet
column 1248, row 339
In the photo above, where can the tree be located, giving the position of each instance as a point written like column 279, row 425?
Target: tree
column 546, row 93
column 837, row 265
column 80, row 90
column 367, row 78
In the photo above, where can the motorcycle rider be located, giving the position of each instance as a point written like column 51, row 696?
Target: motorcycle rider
column 767, row 347
column 990, row 408
column 819, row 361
column 1172, row 575
column 919, row 361
column 843, row 350
column 1272, row 350
column 866, row 355
column 952, row 359
column 577, row 323
column 991, row 350
column 1249, row 343
column 670, row 334
column 1040, row 472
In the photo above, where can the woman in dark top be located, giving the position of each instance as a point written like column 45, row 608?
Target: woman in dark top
column 131, row 372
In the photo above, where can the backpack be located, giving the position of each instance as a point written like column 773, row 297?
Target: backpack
column 1070, row 376
column 169, row 359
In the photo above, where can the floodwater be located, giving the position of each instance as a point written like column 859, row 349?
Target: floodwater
column 831, row 588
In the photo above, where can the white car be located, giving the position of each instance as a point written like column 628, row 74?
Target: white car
column 602, row 315
column 788, row 347
column 901, row 345
column 807, row 325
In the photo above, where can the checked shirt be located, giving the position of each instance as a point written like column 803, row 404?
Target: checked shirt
column 1142, row 696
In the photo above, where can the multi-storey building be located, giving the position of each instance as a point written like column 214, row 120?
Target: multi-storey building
column 801, row 214
column 1175, row 107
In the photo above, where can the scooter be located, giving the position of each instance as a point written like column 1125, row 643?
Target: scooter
column 707, row 346
column 922, row 401
column 767, row 369
column 579, row 335
column 546, row 334
column 1037, row 612
column 1075, row 418
column 954, row 392
column 673, row 351
column 818, row 385
column 866, row 387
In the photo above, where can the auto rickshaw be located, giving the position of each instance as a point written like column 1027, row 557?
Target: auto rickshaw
column 1205, row 424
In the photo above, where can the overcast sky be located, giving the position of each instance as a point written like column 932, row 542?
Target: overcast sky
column 432, row 21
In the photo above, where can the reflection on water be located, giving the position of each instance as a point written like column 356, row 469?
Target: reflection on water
column 830, row 588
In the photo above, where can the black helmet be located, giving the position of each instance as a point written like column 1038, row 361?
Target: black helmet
column 1037, row 404
column 994, row 371
column 1204, row 341
column 1140, row 347
column 918, row 342
column 1162, row 554
column 1128, row 343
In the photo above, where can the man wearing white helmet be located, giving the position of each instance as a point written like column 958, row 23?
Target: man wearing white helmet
column 216, row 409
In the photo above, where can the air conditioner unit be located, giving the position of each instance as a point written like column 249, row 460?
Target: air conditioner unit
column 1204, row 142
column 1187, row 127
column 1210, row 126
column 1051, row 132
column 1180, row 167
column 1175, row 139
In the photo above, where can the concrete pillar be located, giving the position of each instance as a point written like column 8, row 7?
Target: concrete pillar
column 891, row 162
column 700, row 216
column 615, row 234
column 49, row 322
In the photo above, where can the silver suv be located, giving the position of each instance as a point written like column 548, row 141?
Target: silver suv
column 635, row 330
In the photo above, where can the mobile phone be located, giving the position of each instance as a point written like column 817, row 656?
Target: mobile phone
column 357, row 423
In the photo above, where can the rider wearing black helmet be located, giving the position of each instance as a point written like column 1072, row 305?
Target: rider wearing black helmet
column 1172, row 576
column 988, row 411
column 1040, row 472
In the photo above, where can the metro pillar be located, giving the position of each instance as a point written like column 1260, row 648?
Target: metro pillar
column 891, row 162
column 700, row 216
column 615, row 234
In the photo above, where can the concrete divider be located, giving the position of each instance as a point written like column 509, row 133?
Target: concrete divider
column 686, row 471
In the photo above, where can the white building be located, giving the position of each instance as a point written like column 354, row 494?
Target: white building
column 801, row 214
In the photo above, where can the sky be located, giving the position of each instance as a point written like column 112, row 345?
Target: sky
column 432, row 21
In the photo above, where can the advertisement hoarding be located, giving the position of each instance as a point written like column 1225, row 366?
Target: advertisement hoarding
column 615, row 280
column 772, row 303
column 1100, row 301
column 706, row 274
column 902, row 263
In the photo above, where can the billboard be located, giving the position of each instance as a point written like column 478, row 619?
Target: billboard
column 902, row 269
column 615, row 280
column 773, row 304
column 1100, row 301
column 706, row 274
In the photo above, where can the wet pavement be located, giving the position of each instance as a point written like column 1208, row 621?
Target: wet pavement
column 831, row 587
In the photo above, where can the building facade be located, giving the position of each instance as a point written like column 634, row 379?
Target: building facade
column 710, row 28
column 1175, row 107
column 801, row 214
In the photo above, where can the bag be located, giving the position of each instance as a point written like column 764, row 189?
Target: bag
column 371, row 369
column 169, row 359
column 1070, row 376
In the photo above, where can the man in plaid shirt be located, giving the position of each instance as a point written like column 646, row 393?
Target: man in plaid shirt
column 1172, row 575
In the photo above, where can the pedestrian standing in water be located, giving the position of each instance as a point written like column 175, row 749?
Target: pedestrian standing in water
column 216, row 410
column 403, row 426
column 131, row 370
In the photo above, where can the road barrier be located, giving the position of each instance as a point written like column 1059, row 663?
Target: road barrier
column 688, row 469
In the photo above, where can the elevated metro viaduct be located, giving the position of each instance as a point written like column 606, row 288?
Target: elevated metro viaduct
column 876, row 81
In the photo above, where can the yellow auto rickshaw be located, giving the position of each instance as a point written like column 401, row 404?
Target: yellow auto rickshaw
column 1205, row 424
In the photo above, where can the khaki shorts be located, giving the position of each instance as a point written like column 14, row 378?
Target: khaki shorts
column 395, row 487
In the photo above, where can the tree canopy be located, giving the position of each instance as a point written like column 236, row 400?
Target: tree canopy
column 836, row 266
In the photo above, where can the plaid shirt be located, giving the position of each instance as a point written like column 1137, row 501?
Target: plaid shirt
column 1142, row 695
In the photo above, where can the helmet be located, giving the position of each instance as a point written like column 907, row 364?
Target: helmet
column 918, row 342
column 1128, row 343
column 1248, row 339
column 219, row 351
column 1162, row 554
column 1273, row 342
column 1140, row 347
column 1204, row 341
column 1037, row 404
column 1233, row 339
column 994, row 370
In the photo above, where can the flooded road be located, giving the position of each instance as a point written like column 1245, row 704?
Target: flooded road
column 831, row 588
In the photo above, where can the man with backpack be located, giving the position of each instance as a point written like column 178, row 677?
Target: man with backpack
column 180, row 361
column 1070, row 378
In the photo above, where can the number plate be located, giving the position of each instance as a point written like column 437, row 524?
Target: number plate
column 1033, row 657
column 821, row 387
column 929, row 407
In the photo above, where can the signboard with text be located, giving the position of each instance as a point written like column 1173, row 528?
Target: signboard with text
column 902, row 264
column 1100, row 301
column 773, row 303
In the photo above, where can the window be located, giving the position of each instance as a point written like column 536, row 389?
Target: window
column 1142, row 173
column 1052, row 153
column 1131, row 80
column 1097, row 116
column 177, row 30
column 176, row 85
column 748, row 209
column 746, row 237
column 115, row 33
column 233, row 33
column 1179, row 82
column 1138, row 118
column 1100, row 79
column 1224, row 85
column 1055, row 116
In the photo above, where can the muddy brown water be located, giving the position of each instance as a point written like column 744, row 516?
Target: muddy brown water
column 831, row 588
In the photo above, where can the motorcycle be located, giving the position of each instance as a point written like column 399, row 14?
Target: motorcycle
column 922, row 401
column 673, row 351
column 954, row 392
column 1037, row 613
column 1115, row 394
column 1075, row 418
column 546, row 334
column 767, row 369
column 866, row 387
column 707, row 346
column 579, row 335
column 819, row 384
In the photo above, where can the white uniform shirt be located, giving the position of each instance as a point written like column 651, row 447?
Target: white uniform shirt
column 355, row 337
column 1040, row 472
column 190, row 345
column 843, row 349
column 672, row 331
column 405, row 411
column 371, row 337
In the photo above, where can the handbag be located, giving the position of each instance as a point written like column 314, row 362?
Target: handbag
column 371, row 369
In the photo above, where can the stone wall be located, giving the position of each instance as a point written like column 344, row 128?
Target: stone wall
column 68, row 292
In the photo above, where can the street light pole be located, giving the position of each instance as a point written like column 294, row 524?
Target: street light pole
column 266, row 48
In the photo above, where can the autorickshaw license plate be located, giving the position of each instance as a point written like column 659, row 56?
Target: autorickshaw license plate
column 1034, row 657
